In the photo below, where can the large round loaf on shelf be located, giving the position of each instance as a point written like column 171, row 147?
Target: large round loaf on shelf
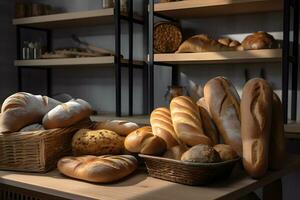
column 67, row 114
column 224, row 105
column 102, row 169
column 256, row 116
column 97, row 142
column 259, row 40
column 23, row 109
column 121, row 127
column 187, row 121
column 162, row 126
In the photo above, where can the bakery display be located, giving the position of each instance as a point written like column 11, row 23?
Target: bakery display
column 162, row 126
column 67, row 114
column 225, row 152
column 201, row 153
column 259, row 40
column 97, row 142
column 143, row 141
column 187, row 122
column 102, row 169
column 175, row 152
column 256, row 117
column 223, row 103
column 121, row 127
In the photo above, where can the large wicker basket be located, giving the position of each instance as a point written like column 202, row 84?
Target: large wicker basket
column 36, row 151
column 187, row 173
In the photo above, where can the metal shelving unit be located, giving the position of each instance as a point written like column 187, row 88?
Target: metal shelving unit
column 84, row 18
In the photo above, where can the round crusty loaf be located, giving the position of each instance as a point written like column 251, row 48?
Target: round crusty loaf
column 67, row 114
column 98, row 142
column 225, row 152
column 256, row 110
column 186, row 121
column 259, row 40
column 224, row 105
column 121, row 127
column 102, row 169
column 175, row 152
column 162, row 126
column 201, row 153
column 143, row 141
column 23, row 109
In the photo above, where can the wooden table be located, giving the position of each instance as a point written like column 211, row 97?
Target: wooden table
column 140, row 186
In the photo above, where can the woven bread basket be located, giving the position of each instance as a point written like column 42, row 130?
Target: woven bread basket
column 187, row 173
column 36, row 151
column 167, row 37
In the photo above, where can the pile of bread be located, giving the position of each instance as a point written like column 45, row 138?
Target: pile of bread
column 23, row 112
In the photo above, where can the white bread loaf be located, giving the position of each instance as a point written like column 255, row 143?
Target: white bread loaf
column 121, row 127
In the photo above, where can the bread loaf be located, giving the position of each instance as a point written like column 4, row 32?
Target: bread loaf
column 22, row 109
column 225, row 152
column 143, row 141
column 259, row 40
column 201, row 43
column 121, row 127
column 162, row 126
column 201, row 153
column 256, row 115
column 102, row 169
column 186, row 121
column 67, row 114
column 224, row 105
column 277, row 151
column 32, row 127
column 175, row 152
column 97, row 142
column 229, row 42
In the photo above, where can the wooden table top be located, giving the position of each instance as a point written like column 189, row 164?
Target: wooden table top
column 140, row 186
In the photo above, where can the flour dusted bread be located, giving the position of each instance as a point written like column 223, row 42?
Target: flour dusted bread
column 67, row 114
column 187, row 121
column 259, row 40
column 121, row 127
column 256, row 115
column 23, row 109
column 224, row 105
column 102, row 169
column 162, row 126
column 201, row 43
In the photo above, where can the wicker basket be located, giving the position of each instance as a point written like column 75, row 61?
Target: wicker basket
column 36, row 151
column 186, row 172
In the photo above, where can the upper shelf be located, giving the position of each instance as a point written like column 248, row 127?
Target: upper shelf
column 197, row 8
column 250, row 56
column 71, row 19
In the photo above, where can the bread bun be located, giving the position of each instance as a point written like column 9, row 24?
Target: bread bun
column 97, row 142
column 186, row 121
column 175, row 152
column 259, row 40
column 67, row 114
column 224, row 105
column 162, row 126
column 23, row 109
column 201, row 153
column 277, row 152
column 102, row 169
column 225, row 152
column 143, row 141
column 256, row 110
column 121, row 127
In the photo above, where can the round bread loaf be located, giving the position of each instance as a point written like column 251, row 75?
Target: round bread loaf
column 201, row 153
column 259, row 40
column 102, row 169
column 97, row 142
column 162, row 126
column 225, row 152
column 67, row 114
column 143, row 141
column 23, row 109
column 121, row 127
column 175, row 152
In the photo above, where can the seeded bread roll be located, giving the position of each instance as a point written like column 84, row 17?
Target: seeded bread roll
column 121, row 127
column 201, row 153
column 256, row 110
column 102, row 169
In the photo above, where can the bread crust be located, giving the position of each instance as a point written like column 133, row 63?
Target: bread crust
column 121, row 127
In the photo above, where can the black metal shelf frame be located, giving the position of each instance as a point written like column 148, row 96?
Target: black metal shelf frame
column 118, row 61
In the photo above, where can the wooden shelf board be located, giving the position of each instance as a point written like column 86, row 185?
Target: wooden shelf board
column 196, row 8
column 292, row 128
column 139, row 119
column 140, row 186
column 250, row 56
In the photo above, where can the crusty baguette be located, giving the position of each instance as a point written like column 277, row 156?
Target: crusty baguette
column 187, row 121
column 121, row 127
column 256, row 116
column 162, row 126
column 102, row 169
column 224, row 105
